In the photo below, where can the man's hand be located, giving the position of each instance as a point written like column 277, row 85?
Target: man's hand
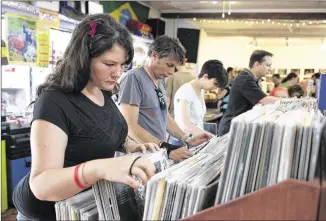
column 199, row 139
column 180, row 154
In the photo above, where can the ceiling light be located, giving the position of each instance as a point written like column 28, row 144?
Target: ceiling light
column 304, row 23
column 223, row 15
column 214, row 2
column 279, row 23
column 262, row 21
column 233, row 2
column 310, row 22
column 194, row 18
column 268, row 20
column 297, row 24
column 273, row 22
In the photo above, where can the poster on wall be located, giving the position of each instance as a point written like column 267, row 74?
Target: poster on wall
column 47, row 19
column 282, row 72
column 322, row 71
column 22, row 47
column 295, row 70
column 43, row 49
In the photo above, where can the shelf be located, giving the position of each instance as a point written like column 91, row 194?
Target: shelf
column 288, row 200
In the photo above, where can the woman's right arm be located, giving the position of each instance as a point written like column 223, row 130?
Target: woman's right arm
column 186, row 124
column 51, row 182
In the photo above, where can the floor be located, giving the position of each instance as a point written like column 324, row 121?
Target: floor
column 9, row 215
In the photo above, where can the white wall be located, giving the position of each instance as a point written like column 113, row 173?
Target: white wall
column 303, row 53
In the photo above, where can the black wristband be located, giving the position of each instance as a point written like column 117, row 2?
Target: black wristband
column 169, row 147
column 133, row 165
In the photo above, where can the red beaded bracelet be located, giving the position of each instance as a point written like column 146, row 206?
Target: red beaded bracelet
column 77, row 178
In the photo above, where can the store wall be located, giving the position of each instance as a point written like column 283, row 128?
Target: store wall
column 303, row 53
column 153, row 13
column 171, row 27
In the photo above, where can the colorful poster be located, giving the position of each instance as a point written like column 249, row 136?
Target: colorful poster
column 21, row 39
column 124, row 13
column 47, row 19
column 43, row 46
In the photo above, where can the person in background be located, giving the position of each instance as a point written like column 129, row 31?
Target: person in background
column 224, row 93
column 76, row 127
column 295, row 91
column 231, row 74
column 282, row 90
column 189, row 103
column 173, row 83
column 245, row 91
column 289, row 80
column 142, row 100
column 276, row 78
column 315, row 78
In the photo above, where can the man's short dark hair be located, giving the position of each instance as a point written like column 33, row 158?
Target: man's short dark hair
column 276, row 76
column 229, row 69
column 258, row 55
column 167, row 47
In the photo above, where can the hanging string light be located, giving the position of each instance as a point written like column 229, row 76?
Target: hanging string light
column 229, row 12
column 223, row 15
column 259, row 21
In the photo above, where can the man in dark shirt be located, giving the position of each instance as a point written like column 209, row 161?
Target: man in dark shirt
column 245, row 92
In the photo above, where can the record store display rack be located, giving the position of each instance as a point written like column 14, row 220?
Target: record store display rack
column 271, row 166
column 286, row 176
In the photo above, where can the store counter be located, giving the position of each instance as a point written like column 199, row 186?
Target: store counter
column 212, row 114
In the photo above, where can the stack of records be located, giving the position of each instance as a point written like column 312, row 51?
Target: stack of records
column 187, row 187
column 79, row 207
column 271, row 143
column 117, row 201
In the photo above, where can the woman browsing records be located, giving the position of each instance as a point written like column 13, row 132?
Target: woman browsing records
column 189, row 104
column 76, row 126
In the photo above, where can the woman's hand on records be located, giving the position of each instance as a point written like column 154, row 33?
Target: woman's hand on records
column 121, row 169
column 199, row 139
column 135, row 147
column 180, row 154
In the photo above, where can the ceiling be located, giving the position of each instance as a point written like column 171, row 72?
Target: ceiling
column 244, row 6
column 253, row 18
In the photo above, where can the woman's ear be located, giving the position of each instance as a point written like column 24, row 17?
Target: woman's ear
column 205, row 76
